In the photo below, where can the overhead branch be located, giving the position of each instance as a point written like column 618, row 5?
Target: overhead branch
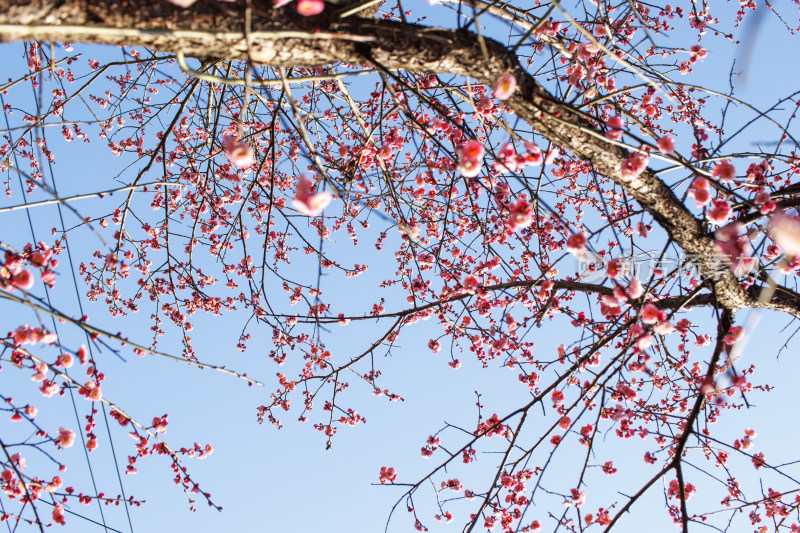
column 280, row 38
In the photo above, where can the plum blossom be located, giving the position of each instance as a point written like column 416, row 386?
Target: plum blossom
column 666, row 144
column 650, row 314
column 22, row 280
column 551, row 155
column 470, row 158
column 30, row 335
column 700, row 191
column 58, row 510
column 576, row 243
column 735, row 335
column 308, row 203
column 521, row 215
column 504, row 86
column 634, row 165
column 309, row 8
column 635, row 289
column 720, row 211
column 387, row 475
column 785, row 231
column 735, row 247
column 616, row 268
column 614, row 132
column 412, row 231
column 66, row 438
column 240, row 154
column 725, row 172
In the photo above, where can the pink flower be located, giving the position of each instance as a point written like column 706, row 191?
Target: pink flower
column 309, row 8
column 785, row 231
column 725, row 172
column 735, row 335
column 634, row 165
column 635, row 289
column 521, row 215
column 576, row 243
column 614, row 123
column 23, row 280
column 240, row 154
column 470, row 158
column 387, row 475
column 65, row 360
column 664, row 328
column 472, row 150
column 551, row 155
column 58, row 510
column 308, row 203
column 469, row 168
column 701, row 195
column 66, row 438
column 650, row 314
column 735, row 247
column 645, row 341
column 505, row 86
column 720, row 211
column 615, row 128
column 666, row 144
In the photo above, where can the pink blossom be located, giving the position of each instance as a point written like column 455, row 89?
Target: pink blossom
column 23, row 280
column 664, row 328
column 469, row 168
column 240, row 154
column 650, row 314
column 785, row 231
column 309, row 8
column 551, row 156
column 308, row 203
column 725, row 172
column 720, row 211
column 644, row 342
column 472, row 150
column 387, row 475
column 616, row 268
column 666, row 144
column 614, row 123
column 504, row 86
column 697, row 52
column 576, row 243
column 701, row 195
column 634, row 165
column 470, row 158
column 65, row 360
column 385, row 152
column 48, row 388
column 521, row 215
column 635, row 289
column 615, row 128
column 66, row 438
column 735, row 335
column 58, row 510
column 411, row 231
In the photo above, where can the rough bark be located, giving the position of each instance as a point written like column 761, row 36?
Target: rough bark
column 280, row 38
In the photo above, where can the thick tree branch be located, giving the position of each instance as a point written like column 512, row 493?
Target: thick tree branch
column 281, row 38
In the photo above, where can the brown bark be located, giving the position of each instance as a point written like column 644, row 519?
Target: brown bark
column 279, row 37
